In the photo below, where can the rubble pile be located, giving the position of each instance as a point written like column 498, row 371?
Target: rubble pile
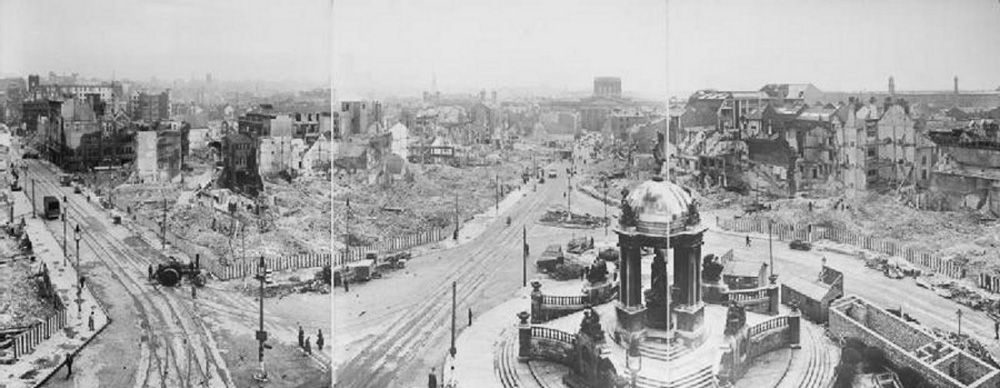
column 424, row 200
column 971, row 345
column 20, row 301
column 562, row 217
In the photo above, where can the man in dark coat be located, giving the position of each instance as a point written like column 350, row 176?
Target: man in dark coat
column 432, row 380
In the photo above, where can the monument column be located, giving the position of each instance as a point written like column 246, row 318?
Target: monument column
column 631, row 312
column 690, row 315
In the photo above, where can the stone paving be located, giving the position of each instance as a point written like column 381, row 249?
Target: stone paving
column 50, row 355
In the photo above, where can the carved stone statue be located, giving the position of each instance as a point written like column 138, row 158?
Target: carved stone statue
column 598, row 272
column 628, row 214
column 736, row 317
column 591, row 325
column 693, row 217
column 656, row 295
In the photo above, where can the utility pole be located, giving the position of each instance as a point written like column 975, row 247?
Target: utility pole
column 606, row 208
column 497, row 195
column 34, row 211
column 524, row 256
column 453, row 350
column 261, row 333
column 770, row 248
column 456, row 215
column 65, row 242
column 163, row 228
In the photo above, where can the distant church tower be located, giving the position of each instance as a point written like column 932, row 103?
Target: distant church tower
column 892, row 87
column 956, row 84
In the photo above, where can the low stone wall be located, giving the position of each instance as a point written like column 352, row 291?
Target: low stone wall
column 763, row 300
column 855, row 317
column 552, row 345
column 752, row 341
column 548, row 307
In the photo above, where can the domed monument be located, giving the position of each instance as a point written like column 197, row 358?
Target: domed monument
column 661, row 215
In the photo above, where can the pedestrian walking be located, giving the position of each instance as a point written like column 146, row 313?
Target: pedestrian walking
column 748, row 241
column 319, row 339
column 82, row 281
column 346, row 288
column 432, row 379
column 302, row 336
column 470, row 316
column 810, row 206
column 308, row 346
column 69, row 365
column 996, row 329
column 150, row 272
column 90, row 321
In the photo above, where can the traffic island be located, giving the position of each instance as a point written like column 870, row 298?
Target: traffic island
column 42, row 349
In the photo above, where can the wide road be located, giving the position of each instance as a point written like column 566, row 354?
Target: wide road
column 158, row 336
column 393, row 330
column 920, row 303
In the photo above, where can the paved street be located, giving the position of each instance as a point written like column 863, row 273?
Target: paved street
column 400, row 325
column 159, row 337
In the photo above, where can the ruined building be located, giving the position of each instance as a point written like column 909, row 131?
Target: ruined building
column 970, row 174
column 239, row 165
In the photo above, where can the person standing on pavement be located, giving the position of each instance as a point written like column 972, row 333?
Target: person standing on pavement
column 69, row 365
column 470, row 316
column 302, row 336
column 150, row 272
column 996, row 329
column 308, row 346
column 90, row 321
column 432, row 379
column 748, row 240
column 319, row 339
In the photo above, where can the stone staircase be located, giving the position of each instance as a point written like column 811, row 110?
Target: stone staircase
column 509, row 371
column 823, row 355
column 662, row 351
column 702, row 377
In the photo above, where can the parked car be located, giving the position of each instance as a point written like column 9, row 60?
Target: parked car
column 800, row 245
column 553, row 173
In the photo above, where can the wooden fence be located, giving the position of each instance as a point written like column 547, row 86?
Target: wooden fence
column 805, row 232
column 393, row 244
column 246, row 268
column 26, row 341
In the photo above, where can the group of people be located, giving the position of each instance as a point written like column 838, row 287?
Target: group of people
column 306, row 342
column 432, row 380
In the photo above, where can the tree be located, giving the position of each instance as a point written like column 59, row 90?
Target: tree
column 711, row 269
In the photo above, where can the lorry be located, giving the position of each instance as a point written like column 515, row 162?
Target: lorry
column 51, row 207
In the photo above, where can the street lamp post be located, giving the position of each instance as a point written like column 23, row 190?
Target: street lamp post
column 606, row 207
column 34, row 211
column 65, row 241
column 79, row 270
column 453, row 350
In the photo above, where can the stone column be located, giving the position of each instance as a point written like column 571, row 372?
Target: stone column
column 794, row 327
column 690, row 314
column 536, row 302
column 524, row 337
column 772, row 299
column 631, row 272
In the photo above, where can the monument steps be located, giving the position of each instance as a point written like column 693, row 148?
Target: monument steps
column 502, row 366
column 697, row 378
column 661, row 351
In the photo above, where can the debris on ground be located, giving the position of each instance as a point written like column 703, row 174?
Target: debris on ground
column 564, row 218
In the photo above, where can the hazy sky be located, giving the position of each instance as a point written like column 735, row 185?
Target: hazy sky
column 845, row 45
column 168, row 39
column 476, row 44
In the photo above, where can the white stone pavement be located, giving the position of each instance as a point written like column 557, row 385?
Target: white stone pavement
column 475, row 347
column 50, row 355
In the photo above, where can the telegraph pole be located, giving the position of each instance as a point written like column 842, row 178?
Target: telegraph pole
column 770, row 248
column 456, row 215
column 261, row 333
column 163, row 228
column 524, row 256
column 453, row 291
column 34, row 211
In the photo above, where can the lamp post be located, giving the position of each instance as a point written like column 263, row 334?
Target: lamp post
column 453, row 350
column 633, row 359
column 606, row 207
column 65, row 242
column 79, row 270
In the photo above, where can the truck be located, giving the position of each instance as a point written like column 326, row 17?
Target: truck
column 51, row 207
column 65, row 180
